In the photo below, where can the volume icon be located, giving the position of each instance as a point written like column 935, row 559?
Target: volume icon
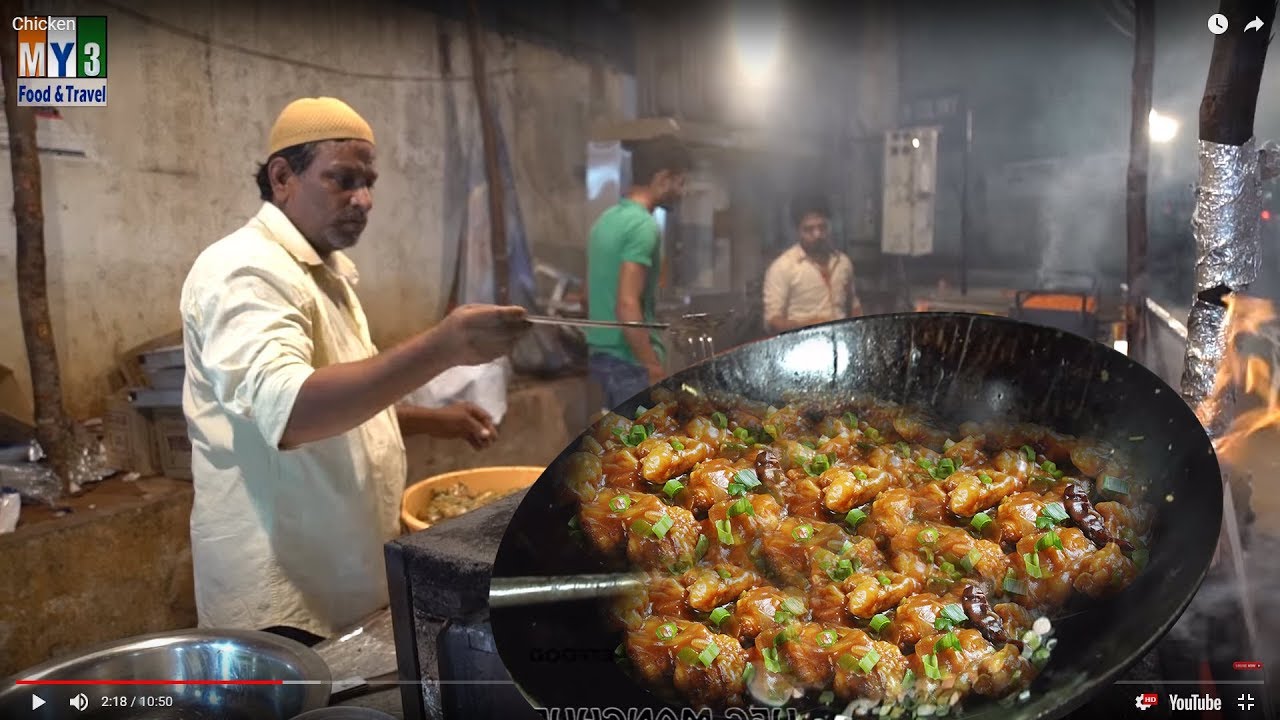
column 79, row 702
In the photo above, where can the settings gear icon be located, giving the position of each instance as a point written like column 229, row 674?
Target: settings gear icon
column 1142, row 702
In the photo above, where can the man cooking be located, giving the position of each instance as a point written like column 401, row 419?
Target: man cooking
column 811, row 282
column 624, row 258
column 296, row 447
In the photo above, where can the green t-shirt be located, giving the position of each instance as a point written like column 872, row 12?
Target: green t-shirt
column 626, row 232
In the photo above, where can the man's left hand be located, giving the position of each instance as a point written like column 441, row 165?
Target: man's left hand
column 461, row 420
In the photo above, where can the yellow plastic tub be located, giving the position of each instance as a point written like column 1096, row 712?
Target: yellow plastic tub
column 418, row 497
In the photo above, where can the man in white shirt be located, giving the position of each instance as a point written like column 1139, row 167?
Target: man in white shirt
column 297, row 454
column 811, row 282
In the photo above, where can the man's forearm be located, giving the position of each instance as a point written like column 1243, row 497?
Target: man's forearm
column 415, row 419
column 337, row 398
column 639, row 341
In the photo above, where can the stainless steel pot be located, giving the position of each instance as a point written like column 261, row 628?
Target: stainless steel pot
column 184, row 655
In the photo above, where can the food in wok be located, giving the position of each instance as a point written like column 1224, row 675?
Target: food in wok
column 860, row 553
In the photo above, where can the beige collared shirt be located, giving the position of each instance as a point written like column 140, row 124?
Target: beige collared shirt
column 281, row 537
column 795, row 287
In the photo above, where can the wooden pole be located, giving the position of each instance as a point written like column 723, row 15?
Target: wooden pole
column 493, row 176
column 1235, row 73
column 54, row 429
column 1136, row 195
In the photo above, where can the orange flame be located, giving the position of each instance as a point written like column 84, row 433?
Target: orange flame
column 1260, row 408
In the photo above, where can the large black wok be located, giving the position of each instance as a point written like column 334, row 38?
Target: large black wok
column 963, row 367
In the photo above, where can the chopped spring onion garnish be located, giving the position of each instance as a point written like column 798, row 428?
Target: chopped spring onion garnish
column 841, row 571
column 1040, row 657
column 879, row 622
column 854, row 517
column 845, row 547
column 720, row 420
column 708, row 654
column 661, row 527
column 848, row 662
column 927, row 536
column 884, row 579
column 724, row 574
column 640, row 410
column 1052, row 514
column 826, row 698
column 742, row 434
column 771, row 663
column 667, row 631
column 809, row 444
column 1029, row 453
column 970, row 561
column 641, row 526
column 703, row 544
column 1012, row 584
column 1141, row 557
column 672, row 487
column 904, row 449
column 802, row 532
column 909, row 678
column 985, row 478
column 772, row 431
column 793, row 606
column 1031, row 562
column 868, row 661
column 687, row 655
column 732, row 446
column 948, row 444
column 850, row 420
column 1048, row 540
column 747, row 478
column 931, row 667
column 955, row 613
column 719, row 615
column 787, row 634
column 748, row 673
column 947, row 642
column 1115, row 485
column 818, row 465
column 619, row 503
column 874, row 434
column 925, row 463
column 927, row 552
column 677, row 445
column 638, row 434
column 724, row 530
column 1052, row 468
column 740, row 506
column 859, row 474
column 735, row 489
column 946, row 468
column 980, row 521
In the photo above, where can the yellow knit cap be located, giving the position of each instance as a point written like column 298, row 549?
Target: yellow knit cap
column 322, row 118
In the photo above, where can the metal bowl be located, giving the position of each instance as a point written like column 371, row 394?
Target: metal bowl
column 184, row 655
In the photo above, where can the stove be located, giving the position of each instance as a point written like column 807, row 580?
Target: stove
column 439, row 583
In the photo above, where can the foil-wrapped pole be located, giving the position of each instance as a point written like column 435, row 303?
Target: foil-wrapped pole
column 1225, row 225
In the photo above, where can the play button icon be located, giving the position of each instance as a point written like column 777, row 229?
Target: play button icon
column 36, row 702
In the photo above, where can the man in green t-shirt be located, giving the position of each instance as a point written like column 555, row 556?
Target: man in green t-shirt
column 624, row 257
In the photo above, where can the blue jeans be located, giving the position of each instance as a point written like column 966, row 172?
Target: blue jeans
column 620, row 379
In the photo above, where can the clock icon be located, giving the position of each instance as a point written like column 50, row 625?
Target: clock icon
column 1217, row 24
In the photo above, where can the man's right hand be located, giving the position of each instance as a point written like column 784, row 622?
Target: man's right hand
column 484, row 332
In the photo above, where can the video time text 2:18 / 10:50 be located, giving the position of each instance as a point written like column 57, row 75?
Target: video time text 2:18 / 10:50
column 136, row 701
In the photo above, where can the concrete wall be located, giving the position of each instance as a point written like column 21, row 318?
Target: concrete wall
column 192, row 93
